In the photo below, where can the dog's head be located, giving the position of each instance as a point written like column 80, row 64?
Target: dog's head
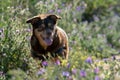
column 44, row 28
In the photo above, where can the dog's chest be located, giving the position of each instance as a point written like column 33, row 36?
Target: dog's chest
column 39, row 49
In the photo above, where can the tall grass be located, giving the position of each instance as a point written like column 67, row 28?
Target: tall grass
column 93, row 31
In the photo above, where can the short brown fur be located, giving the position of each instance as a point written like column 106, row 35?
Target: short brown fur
column 47, row 37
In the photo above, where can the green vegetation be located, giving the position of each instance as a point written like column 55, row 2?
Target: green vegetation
column 93, row 28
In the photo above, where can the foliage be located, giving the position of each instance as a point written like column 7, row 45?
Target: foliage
column 93, row 31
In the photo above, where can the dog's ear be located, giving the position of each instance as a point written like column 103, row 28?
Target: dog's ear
column 33, row 19
column 54, row 17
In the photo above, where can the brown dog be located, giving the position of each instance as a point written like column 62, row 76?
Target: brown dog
column 47, row 38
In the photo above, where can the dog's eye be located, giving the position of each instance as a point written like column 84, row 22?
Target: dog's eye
column 41, row 27
column 51, row 26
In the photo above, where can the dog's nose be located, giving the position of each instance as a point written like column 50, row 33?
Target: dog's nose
column 49, row 32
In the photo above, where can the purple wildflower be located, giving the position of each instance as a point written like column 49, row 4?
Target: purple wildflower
column 66, row 73
column 105, row 59
column 110, row 27
column 89, row 60
column 63, row 4
column 57, row 62
column 78, row 8
column 97, row 78
column 50, row 11
column 45, row 63
column 74, row 71
column 68, row 65
column 96, row 18
column 82, row 73
column 96, row 70
column 41, row 71
column 59, row 10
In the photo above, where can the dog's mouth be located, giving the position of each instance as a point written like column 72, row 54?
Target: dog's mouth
column 48, row 41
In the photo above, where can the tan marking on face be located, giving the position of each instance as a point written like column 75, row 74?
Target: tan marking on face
column 43, row 16
column 49, row 24
column 40, row 39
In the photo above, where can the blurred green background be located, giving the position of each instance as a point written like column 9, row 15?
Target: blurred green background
column 93, row 28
